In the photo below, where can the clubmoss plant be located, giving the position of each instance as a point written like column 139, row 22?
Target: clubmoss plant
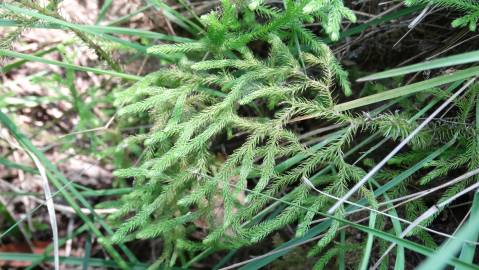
column 222, row 89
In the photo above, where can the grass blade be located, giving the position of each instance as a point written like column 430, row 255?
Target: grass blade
column 439, row 259
column 101, row 29
column 50, row 207
column 125, row 18
column 10, row 164
column 468, row 250
column 369, row 243
column 86, row 258
column 94, row 262
column 103, row 10
column 33, row 58
column 176, row 17
column 464, row 58
column 408, row 89
column 342, row 251
column 126, row 76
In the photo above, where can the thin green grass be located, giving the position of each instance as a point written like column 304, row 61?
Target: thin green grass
column 71, row 260
column 70, row 195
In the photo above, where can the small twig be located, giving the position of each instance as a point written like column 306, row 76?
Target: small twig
column 90, row 130
column 59, row 207
column 48, row 198
column 50, row 207
column 420, row 17
column 414, row 23
column 86, row 211
column 385, row 12
column 451, row 47
column 68, row 244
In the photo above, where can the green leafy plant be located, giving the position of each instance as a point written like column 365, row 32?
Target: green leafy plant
column 182, row 181
column 246, row 136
